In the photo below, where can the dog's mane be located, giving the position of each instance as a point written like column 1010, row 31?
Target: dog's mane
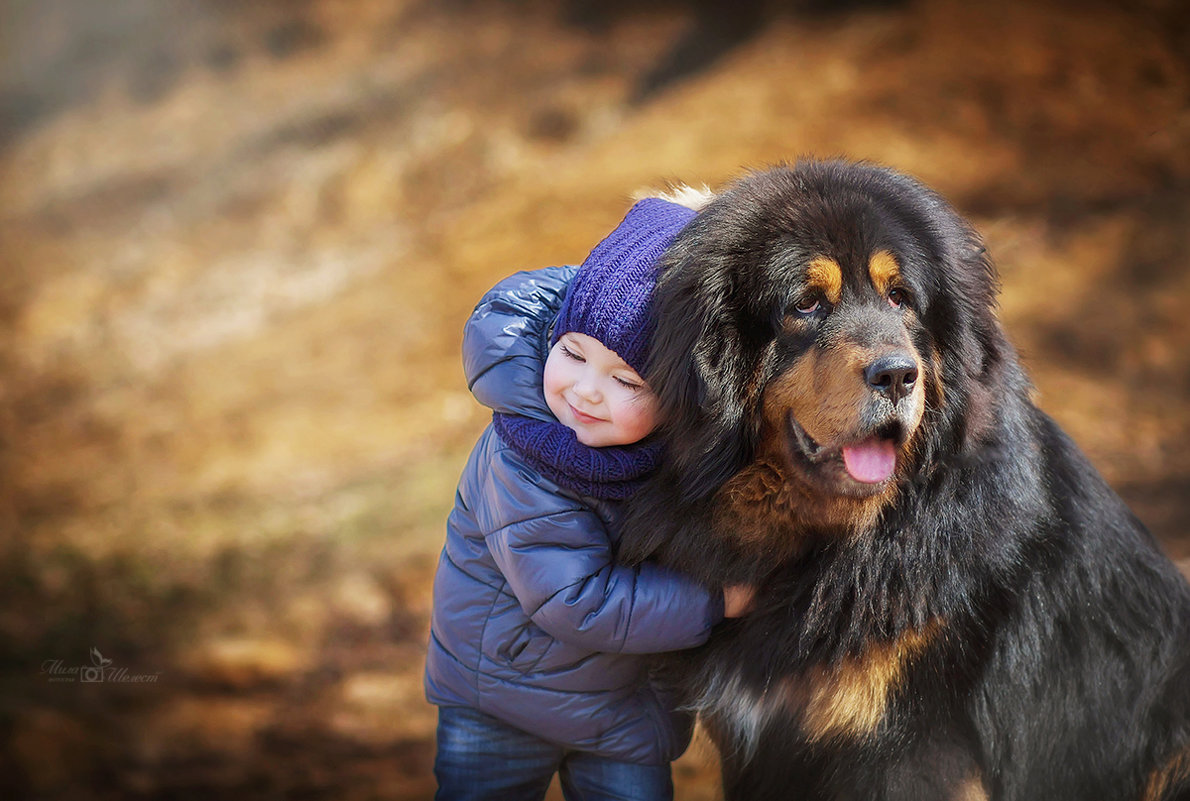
column 710, row 364
column 998, row 612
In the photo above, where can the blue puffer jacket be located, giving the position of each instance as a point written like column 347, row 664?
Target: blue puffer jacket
column 532, row 621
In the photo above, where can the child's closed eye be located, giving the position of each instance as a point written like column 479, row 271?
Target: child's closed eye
column 629, row 384
column 571, row 354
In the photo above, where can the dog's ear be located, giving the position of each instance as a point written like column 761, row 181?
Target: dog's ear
column 697, row 367
column 702, row 371
column 980, row 360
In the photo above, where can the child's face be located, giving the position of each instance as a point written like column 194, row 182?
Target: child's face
column 596, row 394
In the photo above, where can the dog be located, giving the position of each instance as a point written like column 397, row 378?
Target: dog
column 951, row 603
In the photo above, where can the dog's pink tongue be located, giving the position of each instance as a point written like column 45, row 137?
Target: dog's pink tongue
column 871, row 461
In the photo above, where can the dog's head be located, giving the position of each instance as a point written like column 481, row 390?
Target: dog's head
column 831, row 321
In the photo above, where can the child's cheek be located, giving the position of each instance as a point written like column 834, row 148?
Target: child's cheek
column 554, row 383
column 640, row 415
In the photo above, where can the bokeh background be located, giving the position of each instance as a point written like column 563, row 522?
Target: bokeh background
column 238, row 242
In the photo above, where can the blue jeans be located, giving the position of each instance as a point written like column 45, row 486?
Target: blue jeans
column 483, row 759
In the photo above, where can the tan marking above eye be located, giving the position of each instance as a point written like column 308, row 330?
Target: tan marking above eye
column 826, row 275
column 884, row 271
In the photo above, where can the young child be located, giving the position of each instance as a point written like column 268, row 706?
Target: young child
column 537, row 635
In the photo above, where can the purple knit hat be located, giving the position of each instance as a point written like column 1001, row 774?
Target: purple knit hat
column 611, row 295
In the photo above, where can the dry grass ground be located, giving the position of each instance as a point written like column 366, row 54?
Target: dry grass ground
column 239, row 241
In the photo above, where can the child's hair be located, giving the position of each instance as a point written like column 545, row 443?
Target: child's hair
column 610, row 297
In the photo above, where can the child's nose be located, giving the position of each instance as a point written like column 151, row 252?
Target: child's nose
column 587, row 387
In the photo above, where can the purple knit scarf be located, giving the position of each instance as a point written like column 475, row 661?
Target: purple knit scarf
column 612, row 473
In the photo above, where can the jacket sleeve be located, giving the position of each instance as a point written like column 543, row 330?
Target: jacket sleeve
column 506, row 340
column 557, row 559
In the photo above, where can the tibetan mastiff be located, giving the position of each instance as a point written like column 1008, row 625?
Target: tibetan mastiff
column 952, row 603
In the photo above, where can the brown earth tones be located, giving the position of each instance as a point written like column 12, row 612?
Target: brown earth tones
column 239, row 241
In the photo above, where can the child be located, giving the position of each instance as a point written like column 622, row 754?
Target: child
column 537, row 636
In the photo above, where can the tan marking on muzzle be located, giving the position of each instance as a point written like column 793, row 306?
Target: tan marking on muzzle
column 769, row 502
column 824, row 390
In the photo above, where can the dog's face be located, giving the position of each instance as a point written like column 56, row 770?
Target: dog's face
column 835, row 319
column 847, row 391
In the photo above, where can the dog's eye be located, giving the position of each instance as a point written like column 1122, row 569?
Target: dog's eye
column 897, row 296
column 810, row 305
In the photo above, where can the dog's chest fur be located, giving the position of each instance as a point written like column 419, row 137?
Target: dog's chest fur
column 848, row 700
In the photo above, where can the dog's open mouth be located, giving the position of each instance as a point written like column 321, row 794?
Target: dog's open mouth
column 870, row 460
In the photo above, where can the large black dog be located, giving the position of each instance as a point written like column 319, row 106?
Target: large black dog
column 952, row 603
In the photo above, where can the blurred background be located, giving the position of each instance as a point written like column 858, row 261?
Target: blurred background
column 238, row 242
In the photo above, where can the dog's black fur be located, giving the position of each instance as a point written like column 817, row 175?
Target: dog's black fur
column 990, row 621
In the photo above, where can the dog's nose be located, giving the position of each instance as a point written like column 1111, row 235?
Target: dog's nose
column 892, row 376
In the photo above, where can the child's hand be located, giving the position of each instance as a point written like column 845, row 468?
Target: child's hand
column 737, row 599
